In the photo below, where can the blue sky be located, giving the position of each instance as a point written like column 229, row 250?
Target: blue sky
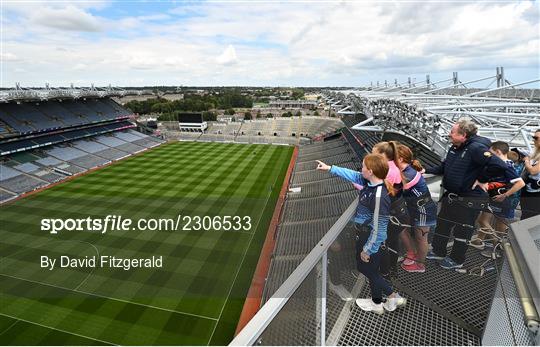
column 264, row 43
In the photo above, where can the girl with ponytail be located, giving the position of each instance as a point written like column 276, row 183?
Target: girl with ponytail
column 398, row 209
column 422, row 210
column 388, row 149
column 373, row 205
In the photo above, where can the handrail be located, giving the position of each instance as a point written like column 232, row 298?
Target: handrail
column 532, row 320
column 256, row 326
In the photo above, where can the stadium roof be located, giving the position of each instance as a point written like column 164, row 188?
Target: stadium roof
column 41, row 94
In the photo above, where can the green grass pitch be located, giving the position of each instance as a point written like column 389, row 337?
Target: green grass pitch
column 197, row 296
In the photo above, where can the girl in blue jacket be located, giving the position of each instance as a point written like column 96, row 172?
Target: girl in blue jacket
column 374, row 194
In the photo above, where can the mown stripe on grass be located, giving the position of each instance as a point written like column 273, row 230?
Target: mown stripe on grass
column 185, row 178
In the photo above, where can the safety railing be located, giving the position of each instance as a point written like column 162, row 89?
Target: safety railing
column 306, row 309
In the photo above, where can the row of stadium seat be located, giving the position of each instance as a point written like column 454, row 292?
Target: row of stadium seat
column 59, row 136
column 27, row 118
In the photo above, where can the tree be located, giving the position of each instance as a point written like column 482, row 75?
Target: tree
column 316, row 114
column 230, row 112
column 258, row 114
column 247, row 115
column 298, row 114
column 161, row 107
column 287, row 114
column 209, row 116
column 297, row 94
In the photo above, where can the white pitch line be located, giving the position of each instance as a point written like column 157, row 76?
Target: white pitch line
column 9, row 327
column 109, row 298
column 91, row 272
column 241, row 262
column 61, row 330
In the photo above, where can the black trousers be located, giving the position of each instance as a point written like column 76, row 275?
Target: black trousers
column 390, row 258
column 377, row 283
column 460, row 214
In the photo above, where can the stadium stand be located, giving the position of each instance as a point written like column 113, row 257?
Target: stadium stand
column 47, row 141
column 65, row 153
column 130, row 148
column 128, row 137
column 48, row 176
column 19, row 126
column 5, row 130
column 112, row 154
column 289, row 130
column 7, row 172
column 110, row 141
column 89, row 161
column 6, row 196
column 21, row 183
column 26, row 118
column 55, row 110
column 49, row 161
column 89, row 146
column 146, row 142
column 58, row 136
column 26, row 167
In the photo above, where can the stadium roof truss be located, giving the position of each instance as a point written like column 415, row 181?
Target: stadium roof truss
column 428, row 114
column 49, row 93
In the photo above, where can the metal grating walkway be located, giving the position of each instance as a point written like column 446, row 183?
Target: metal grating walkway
column 444, row 308
column 413, row 325
column 461, row 296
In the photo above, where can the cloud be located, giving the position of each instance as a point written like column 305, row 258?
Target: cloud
column 228, row 57
column 29, row 7
column 8, row 57
column 80, row 67
column 69, row 18
column 189, row 10
column 321, row 20
column 279, row 43
column 414, row 18
column 531, row 13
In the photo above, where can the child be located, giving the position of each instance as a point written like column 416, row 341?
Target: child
column 398, row 209
column 422, row 210
column 373, row 205
column 500, row 189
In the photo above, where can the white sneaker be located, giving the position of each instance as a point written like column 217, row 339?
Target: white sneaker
column 340, row 291
column 392, row 303
column 369, row 306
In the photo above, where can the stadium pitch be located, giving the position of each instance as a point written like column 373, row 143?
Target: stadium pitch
column 194, row 298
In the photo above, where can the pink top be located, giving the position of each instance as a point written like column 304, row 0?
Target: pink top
column 358, row 186
column 394, row 174
column 412, row 183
